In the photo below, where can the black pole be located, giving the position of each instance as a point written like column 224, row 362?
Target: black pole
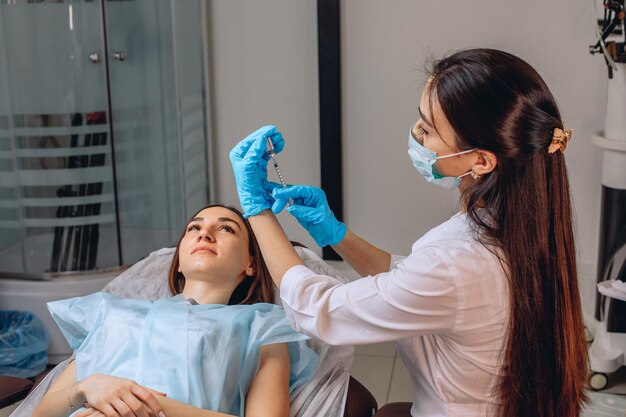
column 109, row 114
column 329, row 62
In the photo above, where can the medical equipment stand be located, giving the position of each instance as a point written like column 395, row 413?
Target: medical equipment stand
column 607, row 353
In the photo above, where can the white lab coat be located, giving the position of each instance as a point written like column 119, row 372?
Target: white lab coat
column 445, row 305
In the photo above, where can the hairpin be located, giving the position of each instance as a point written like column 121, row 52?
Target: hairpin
column 560, row 139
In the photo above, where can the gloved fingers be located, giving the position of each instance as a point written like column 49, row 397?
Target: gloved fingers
column 303, row 194
column 270, row 186
column 278, row 141
column 304, row 213
column 278, row 144
column 243, row 147
column 282, row 199
column 279, row 204
column 259, row 149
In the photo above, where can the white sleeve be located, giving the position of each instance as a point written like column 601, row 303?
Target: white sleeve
column 395, row 260
column 416, row 297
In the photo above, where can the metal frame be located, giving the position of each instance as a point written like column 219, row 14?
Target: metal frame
column 329, row 62
column 107, row 83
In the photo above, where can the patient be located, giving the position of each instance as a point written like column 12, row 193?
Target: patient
column 216, row 348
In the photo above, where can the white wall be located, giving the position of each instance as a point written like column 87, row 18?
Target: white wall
column 265, row 69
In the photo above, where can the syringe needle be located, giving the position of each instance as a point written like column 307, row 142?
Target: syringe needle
column 270, row 152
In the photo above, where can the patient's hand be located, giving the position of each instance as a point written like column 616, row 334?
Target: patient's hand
column 117, row 397
column 90, row 412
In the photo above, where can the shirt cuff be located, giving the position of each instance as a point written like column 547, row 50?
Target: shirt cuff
column 290, row 282
column 395, row 260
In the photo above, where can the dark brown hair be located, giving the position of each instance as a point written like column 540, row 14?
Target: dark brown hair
column 497, row 102
column 253, row 289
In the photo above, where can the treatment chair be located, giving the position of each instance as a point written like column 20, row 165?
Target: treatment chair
column 326, row 394
column 13, row 389
column 402, row 409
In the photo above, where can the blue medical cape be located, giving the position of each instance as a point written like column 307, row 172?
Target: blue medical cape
column 204, row 355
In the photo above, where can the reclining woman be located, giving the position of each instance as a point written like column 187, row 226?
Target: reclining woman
column 218, row 347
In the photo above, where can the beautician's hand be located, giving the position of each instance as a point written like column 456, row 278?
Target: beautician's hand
column 117, row 397
column 249, row 160
column 311, row 209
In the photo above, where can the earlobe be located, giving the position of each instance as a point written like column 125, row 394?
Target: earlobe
column 250, row 269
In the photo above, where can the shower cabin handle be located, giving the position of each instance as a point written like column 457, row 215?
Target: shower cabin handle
column 95, row 57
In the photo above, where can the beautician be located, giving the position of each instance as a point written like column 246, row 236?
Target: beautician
column 485, row 311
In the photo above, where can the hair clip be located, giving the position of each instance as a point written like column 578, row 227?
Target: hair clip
column 560, row 139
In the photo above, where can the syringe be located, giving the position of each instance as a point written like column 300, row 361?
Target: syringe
column 270, row 152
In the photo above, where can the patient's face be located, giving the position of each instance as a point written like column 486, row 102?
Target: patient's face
column 215, row 247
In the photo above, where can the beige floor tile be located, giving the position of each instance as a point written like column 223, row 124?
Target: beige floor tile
column 375, row 373
column 378, row 349
column 401, row 388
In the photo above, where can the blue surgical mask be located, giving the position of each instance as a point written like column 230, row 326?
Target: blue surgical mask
column 423, row 160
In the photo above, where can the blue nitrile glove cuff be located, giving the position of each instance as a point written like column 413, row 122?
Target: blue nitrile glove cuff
column 331, row 234
column 311, row 209
column 249, row 161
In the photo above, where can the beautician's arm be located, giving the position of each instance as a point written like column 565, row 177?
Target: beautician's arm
column 280, row 255
column 365, row 258
column 310, row 207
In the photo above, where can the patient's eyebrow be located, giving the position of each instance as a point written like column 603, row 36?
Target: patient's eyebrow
column 219, row 219
column 424, row 118
column 227, row 219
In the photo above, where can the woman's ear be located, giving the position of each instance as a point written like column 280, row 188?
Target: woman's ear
column 250, row 269
column 485, row 163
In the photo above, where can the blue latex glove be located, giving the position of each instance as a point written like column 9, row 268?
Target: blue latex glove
column 249, row 161
column 311, row 209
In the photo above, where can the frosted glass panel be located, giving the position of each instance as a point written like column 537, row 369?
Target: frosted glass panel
column 189, row 77
column 102, row 131
column 143, row 98
column 57, row 208
column 47, row 47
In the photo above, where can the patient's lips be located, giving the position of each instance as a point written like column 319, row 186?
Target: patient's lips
column 203, row 249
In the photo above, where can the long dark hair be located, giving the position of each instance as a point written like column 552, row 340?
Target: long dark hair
column 253, row 289
column 497, row 102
